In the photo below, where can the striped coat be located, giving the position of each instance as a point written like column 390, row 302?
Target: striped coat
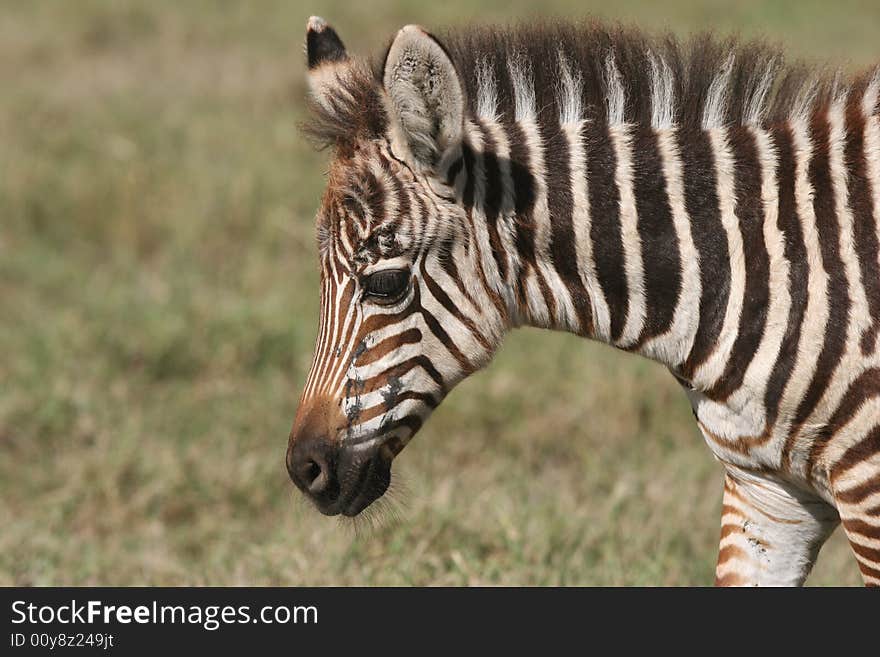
column 701, row 204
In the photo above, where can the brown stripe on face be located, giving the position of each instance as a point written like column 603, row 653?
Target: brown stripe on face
column 335, row 357
column 440, row 295
column 838, row 288
column 330, row 318
column 605, row 228
column 862, row 206
column 411, row 422
column 394, row 399
column 789, row 224
column 661, row 260
column 399, row 370
column 381, row 320
column 756, row 301
column 386, row 346
column 319, row 341
column 710, row 241
column 560, row 208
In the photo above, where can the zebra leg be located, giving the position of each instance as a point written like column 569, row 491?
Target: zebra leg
column 856, row 485
column 770, row 532
column 863, row 532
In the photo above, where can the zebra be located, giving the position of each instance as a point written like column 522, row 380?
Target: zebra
column 699, row 202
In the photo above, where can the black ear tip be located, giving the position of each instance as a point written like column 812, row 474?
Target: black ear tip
column 322, row 43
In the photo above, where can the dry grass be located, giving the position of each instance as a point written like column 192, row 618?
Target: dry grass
column 158, row 286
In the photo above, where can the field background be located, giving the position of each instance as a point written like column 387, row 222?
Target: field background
column 158, row 307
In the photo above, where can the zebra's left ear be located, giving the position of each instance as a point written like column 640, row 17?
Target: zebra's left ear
column 426, row 102
column 326, row 57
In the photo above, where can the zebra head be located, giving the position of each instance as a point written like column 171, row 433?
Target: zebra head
column 406, row 312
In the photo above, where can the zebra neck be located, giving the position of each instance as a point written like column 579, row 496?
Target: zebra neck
column 596, row 230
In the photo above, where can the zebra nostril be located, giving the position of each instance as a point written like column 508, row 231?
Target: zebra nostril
column 315, row 476
column 311, row 463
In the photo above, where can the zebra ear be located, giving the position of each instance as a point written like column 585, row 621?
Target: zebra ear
column 324, row 52
column 425, row 98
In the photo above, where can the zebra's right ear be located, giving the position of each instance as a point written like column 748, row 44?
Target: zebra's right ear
column 425, row 98
column 324, row 52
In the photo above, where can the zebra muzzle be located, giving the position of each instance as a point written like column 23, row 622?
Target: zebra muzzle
column 338, row 479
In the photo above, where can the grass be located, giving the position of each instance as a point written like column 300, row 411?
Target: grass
column 159, row 304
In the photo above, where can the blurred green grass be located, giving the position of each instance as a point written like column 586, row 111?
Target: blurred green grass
column 159, row 305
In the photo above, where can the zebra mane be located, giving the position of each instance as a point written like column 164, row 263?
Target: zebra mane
column 599, row 72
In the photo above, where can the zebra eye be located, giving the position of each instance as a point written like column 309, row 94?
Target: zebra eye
column 387, row 286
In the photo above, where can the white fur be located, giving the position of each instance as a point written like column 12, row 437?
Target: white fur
column 520, row 70
column 802, row 106
column 325, row 83
column 487, row 92
column 755, row 106
column 569, row 93
column 662, row 92
column 717, row 97
column 869, row 100
column 615, row 94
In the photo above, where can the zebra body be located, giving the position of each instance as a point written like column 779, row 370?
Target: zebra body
column 703, row 206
